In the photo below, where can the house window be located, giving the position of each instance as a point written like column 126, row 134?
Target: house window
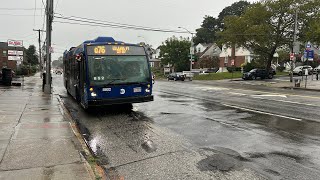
column 226, row 60
column 151, row 64
column 199, row 49
column 4, row 53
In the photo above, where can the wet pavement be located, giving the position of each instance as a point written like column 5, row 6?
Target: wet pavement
column 36, row 141
column 206, row 130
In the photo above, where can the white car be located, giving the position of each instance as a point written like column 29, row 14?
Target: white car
column 316, row 69
column 300, row 70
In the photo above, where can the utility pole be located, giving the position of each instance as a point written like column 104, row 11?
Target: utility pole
column 40, row 50
column 294, row 47
column 191, row 47
column 47, row 87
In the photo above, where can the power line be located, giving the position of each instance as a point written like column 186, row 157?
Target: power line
column 18, row 15
column 109, row 22
column 99, row 24
column 21, row 9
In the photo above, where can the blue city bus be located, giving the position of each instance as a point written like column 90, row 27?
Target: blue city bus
column 103, row 72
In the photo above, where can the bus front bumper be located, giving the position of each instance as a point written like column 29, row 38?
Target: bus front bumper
column 102, row 102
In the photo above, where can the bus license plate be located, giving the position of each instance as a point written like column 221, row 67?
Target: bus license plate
column 106, row 89
column 137, row 89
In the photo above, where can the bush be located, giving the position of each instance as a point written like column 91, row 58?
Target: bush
column 26, row 70
column 281, row 68
column 230, row 69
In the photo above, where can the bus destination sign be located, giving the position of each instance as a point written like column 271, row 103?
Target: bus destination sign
column 114, row 50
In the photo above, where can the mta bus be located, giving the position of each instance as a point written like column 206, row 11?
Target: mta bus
column 103, row 72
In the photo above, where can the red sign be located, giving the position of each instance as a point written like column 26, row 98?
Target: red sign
column 15, row 43
column 232, row 62
column 291, row 56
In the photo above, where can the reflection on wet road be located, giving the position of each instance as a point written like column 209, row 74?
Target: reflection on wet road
column 188, row 132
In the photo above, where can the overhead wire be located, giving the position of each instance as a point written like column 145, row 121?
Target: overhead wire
column 110, row 25
column 109, row 22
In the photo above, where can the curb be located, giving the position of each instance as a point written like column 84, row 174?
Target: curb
column 95, row 171
column 301, row 89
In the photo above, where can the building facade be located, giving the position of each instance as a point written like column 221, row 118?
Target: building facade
column 10, row 56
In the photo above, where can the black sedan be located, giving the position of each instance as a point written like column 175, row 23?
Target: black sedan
column 258, row 73
column 176, row 77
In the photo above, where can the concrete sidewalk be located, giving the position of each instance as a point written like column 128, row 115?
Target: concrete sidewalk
column 36, row 140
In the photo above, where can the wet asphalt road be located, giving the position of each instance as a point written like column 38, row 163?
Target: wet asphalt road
column 206, row 130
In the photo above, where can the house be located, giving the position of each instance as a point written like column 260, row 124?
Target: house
column 201, row 47
column 155, row 63
column 206, row 56
column 241, row 54
column 11, row 56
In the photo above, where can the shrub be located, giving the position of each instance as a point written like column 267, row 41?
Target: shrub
column 233, row 69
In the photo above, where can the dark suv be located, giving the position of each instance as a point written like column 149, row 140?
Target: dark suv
column 258, row 73
column 176, row 77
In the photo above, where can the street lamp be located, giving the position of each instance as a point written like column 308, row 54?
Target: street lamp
column 191, row 48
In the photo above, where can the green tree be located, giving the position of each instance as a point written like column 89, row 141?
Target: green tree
column 58, row 63
column 31, row 55
column 268, row 25
column 207, row 33
column 175, row 51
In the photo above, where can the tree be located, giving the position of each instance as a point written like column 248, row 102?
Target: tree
column 208, row 62
column 210, row 25
column 268, row 25
column 58, row 63
column 175, row 51
column 31, row 55
column 207, row 32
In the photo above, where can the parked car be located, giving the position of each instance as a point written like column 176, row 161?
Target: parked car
column 299, row 70
column 176, row 77
column 58, row 72
column 316, row 69
column 258, row 73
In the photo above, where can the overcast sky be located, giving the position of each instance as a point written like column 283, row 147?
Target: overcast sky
column 165, row 14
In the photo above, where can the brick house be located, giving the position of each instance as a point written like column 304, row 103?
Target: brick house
column 10, row 56
column 241, row 55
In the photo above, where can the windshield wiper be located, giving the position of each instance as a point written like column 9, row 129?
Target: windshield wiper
column 113, row 80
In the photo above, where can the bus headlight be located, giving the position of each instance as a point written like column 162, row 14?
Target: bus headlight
column 93, row 94
column 147, row 90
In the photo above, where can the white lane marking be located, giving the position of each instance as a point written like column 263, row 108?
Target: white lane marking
column 270, row 95
column 292, row 102
column 240, row 94
column 261, row 112
column 205, row 88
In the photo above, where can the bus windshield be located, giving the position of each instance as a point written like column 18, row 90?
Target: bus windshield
column 118, row 69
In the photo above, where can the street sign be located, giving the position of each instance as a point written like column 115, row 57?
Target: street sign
column 310, row 55
column 232, row 62
column 15, row 43
column 15, row 53
column 15, row 58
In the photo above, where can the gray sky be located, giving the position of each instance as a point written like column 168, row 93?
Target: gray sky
column 165, row 14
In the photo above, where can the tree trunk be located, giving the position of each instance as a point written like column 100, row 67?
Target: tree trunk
column 270, row 58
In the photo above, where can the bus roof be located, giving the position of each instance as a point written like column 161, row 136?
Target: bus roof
column 105, row 40
column 101, row 40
